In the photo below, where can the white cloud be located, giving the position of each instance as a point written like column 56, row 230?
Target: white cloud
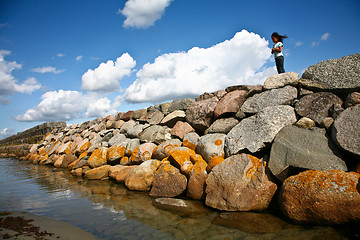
column 47, row 70
column 66, row 105
column 324, row 37
column 8, row 84
column 106, row 77
column 6, row 133
column 60, row 55
column 78, row 58
column 298, row 44
column 143, row 13
column 239, row 60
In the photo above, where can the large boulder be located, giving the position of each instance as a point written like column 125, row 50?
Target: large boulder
column 98, row 158
column 172, row 118
column 274, row 97
column 239, row 184
column 142, row 153
column 191, row 140
column 141, row 177
column 338, row 75
column 98, row 173
column 352, row 99
column 180, row 104
column 156, row 134
column 222, row 125
column 127, row 126
column 131, row 146
column 115, row 153
column 281, row 80
column 135, row 131
column 316, row 106
column 164, row 149
column 181, row 129
column 346, row 130
column 197, row 180
column 169, row 182
column 322, row 197
column 255, row 132
column 152, row 117
column 200, row 114
column 230, row 103
column 299, row 148
column 211, row 145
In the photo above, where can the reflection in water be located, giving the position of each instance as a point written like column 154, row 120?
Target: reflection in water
column 109, row 211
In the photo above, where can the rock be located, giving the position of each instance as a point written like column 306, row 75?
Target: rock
column 81, row 163
column 164, row 108
column 135, row 131
column 180, row 104
column 222, row 125
column 98, row 173
column 142, row 153
column 274, row 97
column 110, row 124
column 191, row 140
column 115, row 153
column 119, row 123
column 127, row 116
column 107, row 137
column 352, row 99
column 327, row 123
column 337, row 75
column 153, row 108
column 181, row 129
column 156, row 134
column 346, row 130
column 200, row 114
column 211, row 145
column 99, row 127
column 205, row 96
column 230, row 103
column 197, row 179
column 120, row 172
column 251, row 89
column 240, row 115
column 321, row 197
column 141, row 177
column 239, row 184
column 63, row 148
column 164, row 149
column 131, row 146
column 139, row 113
column 183, row 207
column 214, row 161
column 255, row 132
column 298, row 148
column 171, row 119
column 281, row 80
column 127, row 126
column 335, row 110
column 77, row 172
column 169, row 182
column 68, row 159
column 98, row 158
column 33, row 148
column 305, row 122
column 153, row 117
column 118, row 139
column 59, row 161
column 82, row 147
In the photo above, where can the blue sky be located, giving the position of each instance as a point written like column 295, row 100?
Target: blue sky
column 78, row 60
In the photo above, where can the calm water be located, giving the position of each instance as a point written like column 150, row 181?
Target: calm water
column 109, row 211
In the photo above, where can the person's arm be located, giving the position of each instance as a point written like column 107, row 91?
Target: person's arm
column 279, row 49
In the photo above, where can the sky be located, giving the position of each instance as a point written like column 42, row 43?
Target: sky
column 73, row 61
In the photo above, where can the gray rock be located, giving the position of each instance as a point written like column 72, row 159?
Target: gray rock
column 139, row 113
column 171, row 119
column 152, row 117
column 200, row 114
column 131, row 145
column 255, row 132
column 165, row 108
column 156, row 134
column 135, row 131
column 274, row 97
column 127, row 126
column 281, row 80
column 222, row 125
column 346, row 130
column 339, row 75
column 299, row 148
column 191, row 140
column 180, row 104
column 164, row 149
column 352, row 99
column 211, row 145
column 118, row 139
column 316, row 106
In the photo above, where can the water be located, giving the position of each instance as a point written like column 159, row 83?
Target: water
column 109, row 211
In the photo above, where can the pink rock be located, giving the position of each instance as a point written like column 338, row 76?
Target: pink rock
column 230, row 103
column 181, row 129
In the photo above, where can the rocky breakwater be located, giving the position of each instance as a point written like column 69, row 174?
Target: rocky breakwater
column 293, row 140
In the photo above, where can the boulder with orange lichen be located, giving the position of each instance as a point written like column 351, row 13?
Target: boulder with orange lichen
column 168, row 182
column 131, row 146
column 180, row 158
column 322, row 197
column 239, row 183
column 196, row 182
column 98, row 173
column 115, row 153
column 98, row 157
column 164, row 149
column 119, row 172
column 142, row 153
column 191, row 140
column 211, row 145
column 141, row 177
column 214, row 161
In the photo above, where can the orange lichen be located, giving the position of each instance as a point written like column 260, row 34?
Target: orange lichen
column 85, row 146
column 134, row 154
column 254, row 170
column 218, row 142
column 124, row 161
column 214, row 161
column 178, row 157
column 188, row 144
column 83, row 155
column 116, row 152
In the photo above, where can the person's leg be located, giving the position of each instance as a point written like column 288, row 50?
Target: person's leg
column 280, row 64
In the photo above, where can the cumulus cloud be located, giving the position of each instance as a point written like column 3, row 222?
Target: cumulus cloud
column 6, row 133
column 66, row 105
column 239, row 60
column 324, row 37
column 47, row 69
column 8, row 84
column 143, row 13
column 106, row 77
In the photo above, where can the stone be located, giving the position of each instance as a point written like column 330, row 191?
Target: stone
column 255, row 132
column 33, row 148
column 211, row 145
column 164, row 108
column 115, row 153
column 274, row 97
column 68, row 159
column 346, row 130
column 298, row 148
column 164, row 149
column 119, row 123
column 110, row 124
column 131, row 146
column 127, row 126
column 321, row 197
column 118, row 139
column 98, row 158
column 335, row 110
column 352, row 99
column 77, row 172
column 119, row 174
column 142, row 177
column 142, row 153
column 200, row 114
column 63, row 148
column 281, row 80
column 340, row 75
column 110, row 117
column 81, row 163
column 99, row 127
column 139, row 113
column 135, row 131
column 107, row 137
column 180, row 158
column 127, row 116
column 222, row 125
column 153, row 108
column 191, row 140
column 168, row 182
column 251, row 89
column 180, row 104
column 98, row 173
column 186, row 208
column 205, row 96
column 214, row 161
column 82, row 147
column 171, row 119
column 153, row 117
column 239, row 184
column 180, row 129
column 327, row 123
column 305, row 122
column 197, row 180
column 230, row 104
column 59, row 161
column 156, row 134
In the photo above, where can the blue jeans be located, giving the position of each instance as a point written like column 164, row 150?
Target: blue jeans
column 280, row 64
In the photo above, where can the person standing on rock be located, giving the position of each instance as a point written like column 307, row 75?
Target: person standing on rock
column 277, row 51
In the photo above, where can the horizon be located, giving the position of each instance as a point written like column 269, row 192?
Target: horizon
column 77, row 61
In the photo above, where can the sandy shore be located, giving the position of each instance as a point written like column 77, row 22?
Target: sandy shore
column 26, row 226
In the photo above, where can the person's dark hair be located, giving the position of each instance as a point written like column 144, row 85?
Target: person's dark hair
column 278, row 36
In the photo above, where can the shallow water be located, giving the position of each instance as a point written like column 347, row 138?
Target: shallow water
column 109, row 211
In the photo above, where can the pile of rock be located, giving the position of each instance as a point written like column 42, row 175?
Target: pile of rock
column 220, row 146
